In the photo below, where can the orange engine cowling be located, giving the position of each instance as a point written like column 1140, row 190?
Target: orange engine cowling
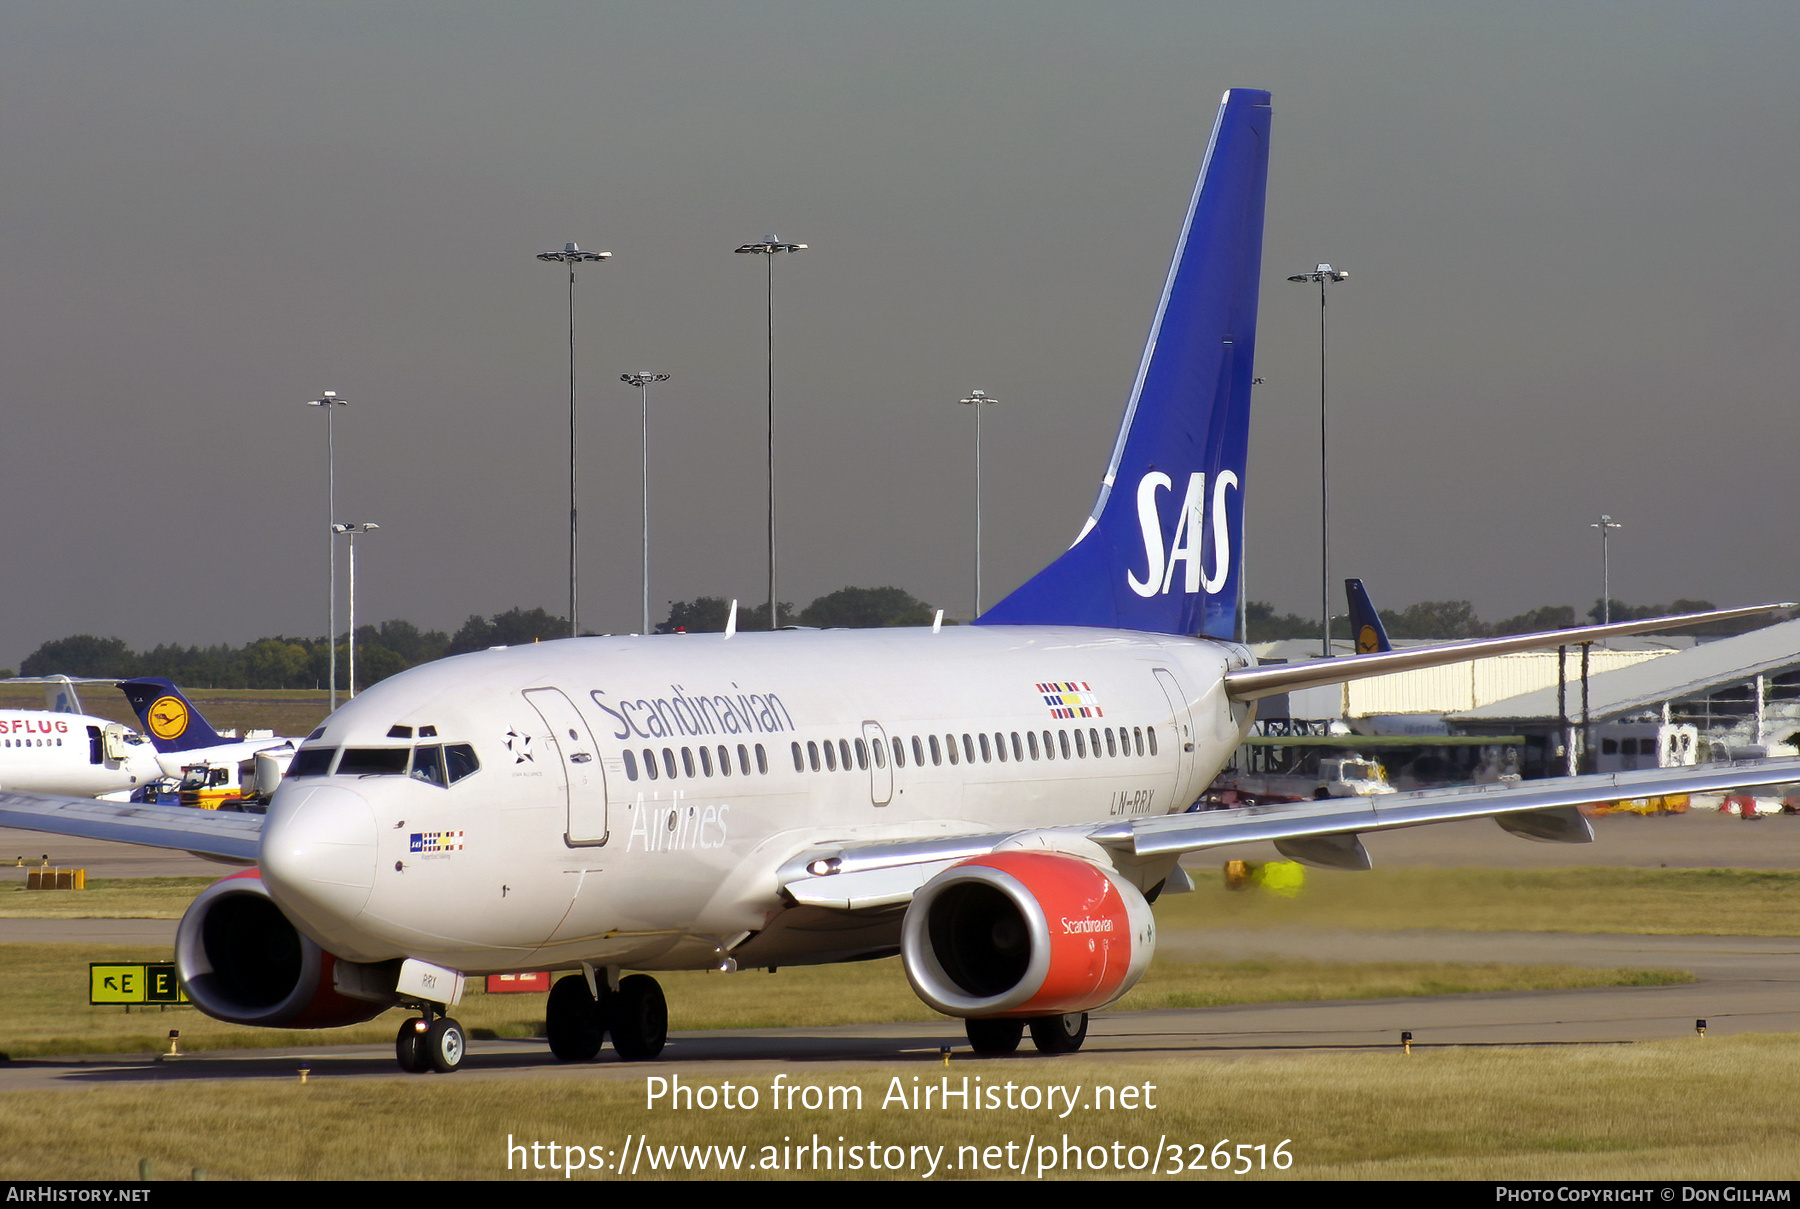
column 242, row 961
column 1025, row 934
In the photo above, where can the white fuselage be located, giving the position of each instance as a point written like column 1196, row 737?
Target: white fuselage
column 563, row 848
column 44, row 752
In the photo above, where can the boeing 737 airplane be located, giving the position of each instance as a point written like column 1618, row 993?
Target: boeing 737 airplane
column 1000, row 804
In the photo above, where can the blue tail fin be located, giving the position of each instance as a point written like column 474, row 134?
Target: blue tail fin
column 1163, row 549
column 1365, row 623
column 169, row 718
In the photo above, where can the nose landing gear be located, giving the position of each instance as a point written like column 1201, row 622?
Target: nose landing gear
column 424, row 1044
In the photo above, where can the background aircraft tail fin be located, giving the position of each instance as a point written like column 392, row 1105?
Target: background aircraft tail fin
column 169, row 718
column 1163, row 548
column 1365, row 623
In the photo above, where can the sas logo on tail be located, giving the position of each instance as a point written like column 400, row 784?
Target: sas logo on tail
column 1190, row 529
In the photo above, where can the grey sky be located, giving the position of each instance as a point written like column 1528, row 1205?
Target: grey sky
column 1569, row 228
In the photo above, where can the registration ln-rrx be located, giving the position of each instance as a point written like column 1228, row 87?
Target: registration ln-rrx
column 1000, row 804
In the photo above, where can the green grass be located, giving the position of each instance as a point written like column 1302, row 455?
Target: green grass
column 1715, row 1109
column 104, row 898
column 1737, row 902
column 43, row 1008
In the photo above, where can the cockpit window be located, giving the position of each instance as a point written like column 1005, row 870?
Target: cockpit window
column 374, row 762
column 312, row 762
column 428, row 765
column 460, row 759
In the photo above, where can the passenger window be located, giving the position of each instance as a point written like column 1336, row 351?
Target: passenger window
column 862, row 756
column 937, row 756
column 630, row 765
column 724, row 760
column 650, row 763
column 968, row 747
column 799, row 762
column 899, row 753
column 950, row 742
column 880, row 754
column 844, row 750
column 687, row 760
column 1150, row 734
column 987, row 755
column 919, row 752
column 1018, row 748
column 1031, row 742
column 762, row 760
column 812, row 754
column 1063, row 741
column 744, row 760
column 1094, row 741
column 1080, row 747
column 830, row 756
column 459, row 759
column 705, row 761
column 1137, row 735
column 428, row 765
column 1111, row 747
column 669, row 763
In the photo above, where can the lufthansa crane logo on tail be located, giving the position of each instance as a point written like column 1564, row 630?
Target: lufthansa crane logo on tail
column 1190, row 530
column 167, row 717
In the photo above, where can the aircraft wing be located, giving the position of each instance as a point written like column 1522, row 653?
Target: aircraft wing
column 855, row 877
column 1250, row 684
column 220, row 833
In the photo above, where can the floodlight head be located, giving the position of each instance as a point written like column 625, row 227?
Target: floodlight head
column 770, row 246
column 573, row 254
column 980, row 396
column 327, row 398
column 642, row 378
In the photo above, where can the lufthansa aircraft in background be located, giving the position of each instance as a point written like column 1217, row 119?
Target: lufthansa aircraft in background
column 1000, row 803
column 183, row 737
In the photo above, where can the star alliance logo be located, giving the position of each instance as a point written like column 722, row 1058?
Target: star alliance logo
column 520, row 746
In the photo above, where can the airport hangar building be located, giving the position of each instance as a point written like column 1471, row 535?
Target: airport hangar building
column 1649, row 702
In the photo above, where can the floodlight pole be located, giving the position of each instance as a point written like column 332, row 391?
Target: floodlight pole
column 976, row 399
column 1604, row 524
column 767, row 249
column 1322, row 274
column 331, row 401
column 572, row 255
column 350, row 531
column 642, row 381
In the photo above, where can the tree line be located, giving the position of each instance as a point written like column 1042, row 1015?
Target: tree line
column 393, row 646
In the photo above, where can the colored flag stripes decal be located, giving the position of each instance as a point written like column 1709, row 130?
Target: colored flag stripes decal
column 1070, row 699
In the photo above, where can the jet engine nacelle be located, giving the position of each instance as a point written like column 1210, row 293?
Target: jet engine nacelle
column 1025, row 934
column 242, row 961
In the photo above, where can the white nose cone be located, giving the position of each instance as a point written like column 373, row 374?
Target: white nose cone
column 318, row 855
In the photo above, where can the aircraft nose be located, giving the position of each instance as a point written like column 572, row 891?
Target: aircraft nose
column 318, row 853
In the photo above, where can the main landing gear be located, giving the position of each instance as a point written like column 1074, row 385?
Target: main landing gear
column 1051, row 1034
column 635, row 1014
column 425, row 1044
